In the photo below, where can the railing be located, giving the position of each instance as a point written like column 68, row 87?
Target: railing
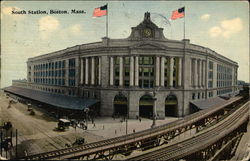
column 131, row 138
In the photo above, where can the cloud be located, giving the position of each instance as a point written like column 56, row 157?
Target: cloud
column 76, row 29
column 231, row 26
column 205, row 17
column 226, row 28
column 215, row 31
column 47, row 25
column 7, row 11
column 70, row 32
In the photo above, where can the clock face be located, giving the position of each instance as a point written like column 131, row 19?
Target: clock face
column 147, row 32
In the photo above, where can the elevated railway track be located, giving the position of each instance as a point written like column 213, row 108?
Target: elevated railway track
column 197, row 146
column 146, row 139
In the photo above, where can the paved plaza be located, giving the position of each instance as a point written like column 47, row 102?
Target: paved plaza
column 36, row 133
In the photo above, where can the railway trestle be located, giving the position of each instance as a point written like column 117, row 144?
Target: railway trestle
column 140, row 141
column 223, row 149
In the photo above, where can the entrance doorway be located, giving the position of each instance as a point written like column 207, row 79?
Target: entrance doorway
column 146, row 106
column 171, row 106
column 120, row 105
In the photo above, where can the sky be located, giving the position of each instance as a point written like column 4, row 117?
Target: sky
column 222, row 26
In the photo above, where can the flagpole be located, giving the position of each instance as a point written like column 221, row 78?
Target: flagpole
column 107, row 21
column 184, row 23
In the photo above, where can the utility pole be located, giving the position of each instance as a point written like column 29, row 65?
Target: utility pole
column 1, row 143
column 126, row 125
column 16, row 142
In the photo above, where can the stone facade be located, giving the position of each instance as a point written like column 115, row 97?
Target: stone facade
column 145, row 63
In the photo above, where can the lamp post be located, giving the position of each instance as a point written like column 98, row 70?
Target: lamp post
column 154, row 112
column 126, row 125
column 86, row 110
column 154, row 108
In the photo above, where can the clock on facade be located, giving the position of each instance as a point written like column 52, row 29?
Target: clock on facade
column 147, row 32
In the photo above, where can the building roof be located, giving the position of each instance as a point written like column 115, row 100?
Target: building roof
column 62, row 101
column 208, row 103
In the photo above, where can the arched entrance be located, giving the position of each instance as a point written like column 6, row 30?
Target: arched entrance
column 120, row 105
column 146, row 106
column 171, row 106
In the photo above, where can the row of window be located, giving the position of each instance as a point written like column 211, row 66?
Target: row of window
column 51, row 65
column 146, row 71
column 91, row 94
column 70, row 92
column 210, row 77
column 224, row 83
column 224, row 76
column 224, row 91
column 60, row 82
column 56, row 73
column 198, row 95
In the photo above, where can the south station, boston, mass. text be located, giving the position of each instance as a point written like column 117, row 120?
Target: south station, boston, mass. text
column 51, row 11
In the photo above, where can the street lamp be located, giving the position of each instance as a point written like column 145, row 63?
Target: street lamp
column 154, row 113
column 86, row 110
column 154, row 108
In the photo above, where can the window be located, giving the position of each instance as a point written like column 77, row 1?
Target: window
column 210, row 94
column 117, row 71
column 126, row 60
column 210, row 65
column 63, row 64
column 140, row 71
column 117, row 61
column 126, row 71
column 193, row 96
column 71, row 62
column 126, row 83
column 210, row 75
column 72, row 72
column 145, row 60
column 116, row 82
column 146, row 72
column 210, row 84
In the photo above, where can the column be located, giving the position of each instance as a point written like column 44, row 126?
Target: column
column 180, row 72
column 121, row 72
column 136, row 71
column 195, row 72
column 171, row 71
column 81, row 80
column 162, row 70
column 86, row 71
column 200, row 70
column 204, row 74
column 92, row 70
column 131, row 75
column 111, row 70
column 66, row 72
column 157, row 71
column 99, row 70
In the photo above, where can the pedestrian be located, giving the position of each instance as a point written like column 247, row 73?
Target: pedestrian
column 133, row 130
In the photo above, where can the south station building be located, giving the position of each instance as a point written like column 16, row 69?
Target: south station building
column 143, row 75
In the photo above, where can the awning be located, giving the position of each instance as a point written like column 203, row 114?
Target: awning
column 62, row 101
column 211, row 102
